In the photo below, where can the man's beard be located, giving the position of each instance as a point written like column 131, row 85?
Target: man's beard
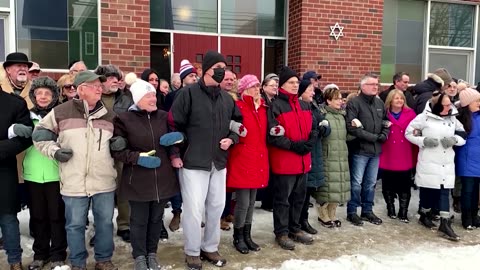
column 111, row 90
column 22, row 78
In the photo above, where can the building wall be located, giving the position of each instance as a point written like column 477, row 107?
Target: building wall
column 344, row 61
column 125, row 34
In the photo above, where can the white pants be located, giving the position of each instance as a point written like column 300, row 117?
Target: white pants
column 202, row 191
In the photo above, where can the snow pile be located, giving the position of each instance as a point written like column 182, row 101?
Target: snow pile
column 420, row 259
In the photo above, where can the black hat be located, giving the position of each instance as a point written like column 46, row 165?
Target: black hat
column 17, row 58
column 311, row 75
column 303, row 86
column 285, row 74
column 210, row 59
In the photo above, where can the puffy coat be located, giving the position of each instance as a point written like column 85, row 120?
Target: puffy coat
column 296, row 117
column 424, row 90
column 143, row 131
column 316, row 177
column 467, row 161
column 398, row 154
column 335, row 159
column 13, row 109
column 247, row 165
column 435, row 166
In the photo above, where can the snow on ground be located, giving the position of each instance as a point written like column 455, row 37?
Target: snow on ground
column 393, row 245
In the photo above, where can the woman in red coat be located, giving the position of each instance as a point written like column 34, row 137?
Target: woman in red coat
column 247, row 167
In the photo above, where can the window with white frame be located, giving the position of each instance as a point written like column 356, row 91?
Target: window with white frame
column 58, row 33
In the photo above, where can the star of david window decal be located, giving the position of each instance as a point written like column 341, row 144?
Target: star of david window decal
column 336, row 31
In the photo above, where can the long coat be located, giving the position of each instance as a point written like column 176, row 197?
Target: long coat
column 143, row 131
column 13, row 110
column 335, row 160
column 398, row 154
column 435, row 165
column 247, row 165
column 316, row 177
column 467, row 157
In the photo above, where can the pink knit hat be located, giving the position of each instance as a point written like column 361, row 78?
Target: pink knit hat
column 468, row 96
column 246, row 82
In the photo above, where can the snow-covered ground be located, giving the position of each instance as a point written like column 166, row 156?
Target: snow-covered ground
column 393, row 245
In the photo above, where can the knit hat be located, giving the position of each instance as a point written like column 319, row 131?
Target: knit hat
column 210, row 59
column 303, row 86
column 444, row 75
column 108, row 70
column 139, row 89
column 330, row 86
column 468, row 96
column 246, row 82
column 186, row 68
column 285, row 74
column 271, row 76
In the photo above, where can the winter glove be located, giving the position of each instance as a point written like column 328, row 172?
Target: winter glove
column 63, row 154
column 324, row 123
column 430, row 142
column 118, row 143
column 277, row 131
column 448, row 142
column 386, row 123
column 41, row 135
column 22, row 130
column 238, row 128
column 171, row 138
column 356, row 123
column 381, row 138
column 300, row 148
column 147, row 160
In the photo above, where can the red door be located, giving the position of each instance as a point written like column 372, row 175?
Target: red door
column 243, row 55
column 192, row 48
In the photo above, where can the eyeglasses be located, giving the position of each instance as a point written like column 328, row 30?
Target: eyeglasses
column 97, row 86
column 372, row 84
column 68, row 86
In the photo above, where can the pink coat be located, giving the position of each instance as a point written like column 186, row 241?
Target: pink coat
column 398, row 154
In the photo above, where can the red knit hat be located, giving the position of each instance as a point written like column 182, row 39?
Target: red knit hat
column 246, row 82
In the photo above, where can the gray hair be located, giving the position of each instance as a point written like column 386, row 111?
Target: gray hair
column 367, row 76
column 175, row 76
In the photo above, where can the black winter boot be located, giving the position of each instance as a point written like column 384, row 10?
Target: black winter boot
column 467, row 219
column 457, row 204
column 390, row 201
column 446, row 229
column 404, row 201
column 247, row 236
column 426, row 219
column 475, row 218
column 306, row 227
column 239, row 240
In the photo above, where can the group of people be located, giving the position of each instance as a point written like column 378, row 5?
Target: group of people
column 96, row 139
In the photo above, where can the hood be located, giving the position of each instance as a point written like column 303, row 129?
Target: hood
column 432, row 83
column 428, row 111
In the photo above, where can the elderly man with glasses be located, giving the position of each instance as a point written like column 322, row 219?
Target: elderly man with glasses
column 77, row 134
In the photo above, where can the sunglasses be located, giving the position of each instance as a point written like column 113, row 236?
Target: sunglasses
column 68, row 86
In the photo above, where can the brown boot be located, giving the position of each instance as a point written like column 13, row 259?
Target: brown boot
column 229, row 218
column 193, row 262
column 175, row 223
column 224, row 225
column 106, row 265
column 285, row 242
column 301, row 237
column 332, row 214
column 16, row 266
column 214, row 257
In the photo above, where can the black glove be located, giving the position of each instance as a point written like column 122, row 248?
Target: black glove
column 63, row 154
column 301, row 147
column 381, row 138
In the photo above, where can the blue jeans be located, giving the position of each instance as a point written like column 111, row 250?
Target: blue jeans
column 76, row 212
column 432, row 198
column 11, row 238
column 363, row 177
column 176, row 203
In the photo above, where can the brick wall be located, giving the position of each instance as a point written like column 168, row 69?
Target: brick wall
column 126, row 34
column 342, row 62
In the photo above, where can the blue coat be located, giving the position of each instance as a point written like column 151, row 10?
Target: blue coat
column 467, row 161
column 316, row 176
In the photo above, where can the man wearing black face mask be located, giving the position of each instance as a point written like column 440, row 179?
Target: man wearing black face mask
column 202, row 112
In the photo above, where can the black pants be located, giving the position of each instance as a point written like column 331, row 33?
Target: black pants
column 396, row 181
column 306, row 203
column 266, row 194
column 289, row 195
column 431, row 198
column 47, row 221
column 145, row 226
column 228, row 204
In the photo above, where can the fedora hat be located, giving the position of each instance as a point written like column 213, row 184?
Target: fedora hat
column 17, row 58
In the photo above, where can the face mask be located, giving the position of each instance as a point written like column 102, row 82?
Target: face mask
column 218, row 74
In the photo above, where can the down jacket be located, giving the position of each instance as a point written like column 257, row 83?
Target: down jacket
column 335, row 160
column 316, row 176
column 467, row 161
column 435, row 166
column 247, row 165
column 398, row 154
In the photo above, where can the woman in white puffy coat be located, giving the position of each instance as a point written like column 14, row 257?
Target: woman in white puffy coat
column 436, row 131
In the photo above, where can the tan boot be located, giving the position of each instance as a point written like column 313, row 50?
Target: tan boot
column 323, row 217
column 332, row 210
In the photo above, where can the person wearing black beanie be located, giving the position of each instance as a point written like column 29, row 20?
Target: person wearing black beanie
column 303, row 87
column 210, row 59
column 285, row 74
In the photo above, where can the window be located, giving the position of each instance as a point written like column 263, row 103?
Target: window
column 234, row 63
column 3, row 41
column 56, row 34
column 5, row 3
column 252, row 17
column 451, row 24
column 402, row 40
column 188, row 15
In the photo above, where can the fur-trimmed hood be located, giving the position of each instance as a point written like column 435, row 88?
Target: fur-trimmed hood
column 432, row 83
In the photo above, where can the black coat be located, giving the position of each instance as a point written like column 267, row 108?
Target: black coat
column 423, row 93
column 13, row 110
column 203, row 114
column 408, row 96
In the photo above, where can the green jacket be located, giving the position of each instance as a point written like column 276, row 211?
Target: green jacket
column 335, row 160
column 37, row 167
